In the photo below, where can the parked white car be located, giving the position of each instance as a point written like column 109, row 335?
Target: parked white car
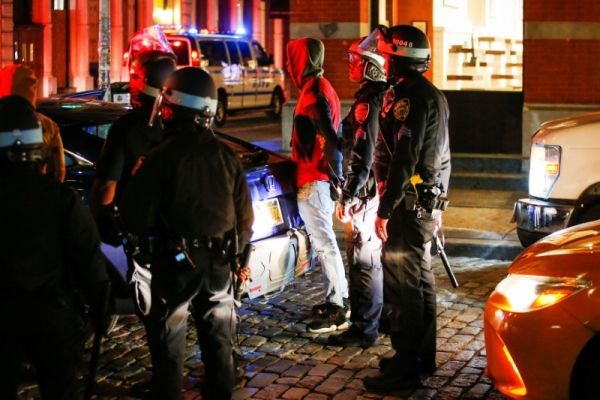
column 564, row 177
column 243, row 72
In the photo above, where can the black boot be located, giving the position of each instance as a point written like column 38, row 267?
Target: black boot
column 393, row 380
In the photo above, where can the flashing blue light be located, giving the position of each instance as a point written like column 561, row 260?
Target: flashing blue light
column 240, row 31
column 193, row 30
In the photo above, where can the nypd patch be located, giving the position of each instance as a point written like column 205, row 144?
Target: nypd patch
column 361, row 112
column 401, row 109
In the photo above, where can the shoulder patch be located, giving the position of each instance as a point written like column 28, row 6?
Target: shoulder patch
column 401, row 109
column 361, row 112
column 388, row 100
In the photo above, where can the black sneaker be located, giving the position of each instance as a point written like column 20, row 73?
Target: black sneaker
column 352, row 338
column 319, row 309
column 331, row 320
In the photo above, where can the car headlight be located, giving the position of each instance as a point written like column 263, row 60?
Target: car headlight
column 524, row 293
column 544, row 169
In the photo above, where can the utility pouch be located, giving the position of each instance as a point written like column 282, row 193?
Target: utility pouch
column 141, row 279
column 177, row 251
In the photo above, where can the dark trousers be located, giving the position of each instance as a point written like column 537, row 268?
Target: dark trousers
column 215, row 318
column 365, row 273
column 409, row 287
column 47, row 332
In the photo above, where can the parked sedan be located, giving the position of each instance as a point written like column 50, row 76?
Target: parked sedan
column 542, row 322
column 281, row 247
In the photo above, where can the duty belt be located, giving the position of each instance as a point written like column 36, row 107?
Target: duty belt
column 204, row 242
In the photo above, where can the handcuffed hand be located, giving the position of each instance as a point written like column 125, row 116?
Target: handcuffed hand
column 342, row 213
column 243, row 274
column 381, row 228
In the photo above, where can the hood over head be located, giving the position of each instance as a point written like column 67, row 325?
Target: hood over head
column 305, row 59
column 20, row 80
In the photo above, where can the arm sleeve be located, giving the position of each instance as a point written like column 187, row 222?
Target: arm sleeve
column 320, row 112
column 361, row 157
column 81, row 250
column 143, row 196
column 54, row 152
column 410, row 135
column 111, row 162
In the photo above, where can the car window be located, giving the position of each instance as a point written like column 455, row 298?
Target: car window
column 247, row 60
column 234, row 55
column 262, row 57
column 100, row 131
column 69, row 160
column 181, row 49
column 214, row 52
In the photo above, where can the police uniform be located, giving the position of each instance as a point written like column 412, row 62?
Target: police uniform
column 192, row 189
column 414, row 140
column 128, row 139
column 49, row 250
column 363, row 247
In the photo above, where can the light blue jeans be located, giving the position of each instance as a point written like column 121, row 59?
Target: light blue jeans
column 316, row 209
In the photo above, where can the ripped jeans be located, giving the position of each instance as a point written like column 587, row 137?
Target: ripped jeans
column 316, row 209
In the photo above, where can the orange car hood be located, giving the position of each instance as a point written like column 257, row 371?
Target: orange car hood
column 571, row 252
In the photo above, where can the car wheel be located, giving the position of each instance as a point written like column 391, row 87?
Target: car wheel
column 221, row 114
column 586, row 374
column 591, row 213
column 527, row 238
column 276, row 105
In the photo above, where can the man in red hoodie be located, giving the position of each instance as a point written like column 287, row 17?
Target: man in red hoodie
column 316, row 128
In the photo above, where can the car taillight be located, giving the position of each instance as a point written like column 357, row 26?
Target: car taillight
column 525, row 293
column 544, row 169
column 195, row 59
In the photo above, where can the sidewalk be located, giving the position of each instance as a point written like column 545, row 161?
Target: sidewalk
column 477, row 224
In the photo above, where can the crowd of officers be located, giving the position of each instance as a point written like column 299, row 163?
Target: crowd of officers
column 177, row 198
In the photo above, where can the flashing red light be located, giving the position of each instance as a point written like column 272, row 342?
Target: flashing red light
column 195, row 58
column 176, row 43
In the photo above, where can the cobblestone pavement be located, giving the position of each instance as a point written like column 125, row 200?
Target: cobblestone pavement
column 283, row 361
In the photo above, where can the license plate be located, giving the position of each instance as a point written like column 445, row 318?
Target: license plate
column 268, row 212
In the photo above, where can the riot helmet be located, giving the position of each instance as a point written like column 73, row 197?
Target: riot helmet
column 364, row 61
column 21, row 137
column 189, row 95
column 151, row 61
column 406, row 49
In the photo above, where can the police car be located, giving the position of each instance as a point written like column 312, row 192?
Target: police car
column 281, row 247
column 242, row 70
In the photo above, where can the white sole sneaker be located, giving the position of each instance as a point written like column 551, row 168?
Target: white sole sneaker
column 329, row 328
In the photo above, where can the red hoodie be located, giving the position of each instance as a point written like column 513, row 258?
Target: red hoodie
column 317, row 114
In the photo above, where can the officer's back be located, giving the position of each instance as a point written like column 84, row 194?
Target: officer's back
column 49, row 252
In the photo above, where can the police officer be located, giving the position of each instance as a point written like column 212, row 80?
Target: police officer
column 190, row 193
column 359, row 202
column 50, row 249
column 414, row 127
column 129, row 138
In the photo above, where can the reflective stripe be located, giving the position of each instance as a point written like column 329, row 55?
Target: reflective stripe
column 27, row 136
column 150, row 90
column 190, row 101
column 411, row 52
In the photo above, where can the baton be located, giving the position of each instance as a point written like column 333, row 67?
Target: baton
column 91, row 378
column 445, row 261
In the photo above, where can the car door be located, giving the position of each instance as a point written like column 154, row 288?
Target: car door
column 264, row 75
column 249, row 70
column 235, row 75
